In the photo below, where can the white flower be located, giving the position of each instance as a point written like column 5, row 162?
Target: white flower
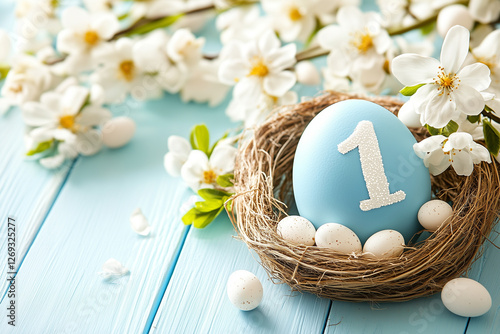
column 203, row 85
column 449, row 90
column 5, row 47
column 25, row 82
column 156, row 8
column 256, row 112
column 63, row 117
column 150, row 54
column 184, row 47
column 242, row 24
column 357, row 45
column 65, row 151
column 259, row 66
column 296, row 19
column 201, row 172
column 459, row 151
column 85, row 35
column 121, row 74
column 484, row 11
column 488, row 53
column 178, row 153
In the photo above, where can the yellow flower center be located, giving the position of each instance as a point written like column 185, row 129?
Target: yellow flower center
column 91, row 37
column 127, row 69
column 67, row 122
column 259, row 68
column 16, row 89
column 294, row 14
column 362, row 41
column 446, row 82
column 209, row 176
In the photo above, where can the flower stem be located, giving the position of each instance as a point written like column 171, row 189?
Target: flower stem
column 491, row 116
column 313, row 52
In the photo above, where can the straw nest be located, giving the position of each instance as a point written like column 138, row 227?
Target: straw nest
column 263, row 182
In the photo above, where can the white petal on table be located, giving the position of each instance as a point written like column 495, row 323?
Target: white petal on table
column 113, row 269
column 139, row 223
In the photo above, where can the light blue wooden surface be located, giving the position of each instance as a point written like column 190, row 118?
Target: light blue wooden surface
column 70, row 221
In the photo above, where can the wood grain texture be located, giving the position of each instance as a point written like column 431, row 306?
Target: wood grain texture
column 27, row 190
column 59, row 289
column 196, row 299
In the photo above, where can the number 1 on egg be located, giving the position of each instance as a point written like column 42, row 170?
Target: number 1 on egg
column 365, row 139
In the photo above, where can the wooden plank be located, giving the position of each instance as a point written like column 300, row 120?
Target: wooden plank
column 486, row 271
column 196, row 299
column 27, row 190
column 58, row 285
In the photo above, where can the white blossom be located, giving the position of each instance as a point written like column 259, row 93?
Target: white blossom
column 484, row 11
column 459, row 150
column 259, row 67
column 178, row 153
column 199, row 171
column 448, row 90
column 242, row 24
column 488, row 53
column 184, row 47
column 84, row 36
column 65, row 117
column 357, row 46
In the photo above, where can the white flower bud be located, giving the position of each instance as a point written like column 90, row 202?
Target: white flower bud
column 453, row 15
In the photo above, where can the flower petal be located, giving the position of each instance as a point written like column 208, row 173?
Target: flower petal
column 440, row 162
column 53, row 162
column 279, row 83
column 193, row 168
column 89, row 143
column 268, row 42
column 476, row 76
column 440, row 111
column 113, row 269
column 455, row 48
column 222, row 158
column 73, row 99
column 232, row 70
column 429, row 144
column 36, row 114
column 93, row 115
column 75, row 18
column 479, row 153
column 282, row 58
column 106, row 25
column 248, row 89
column 469, row 101
column 139, row 223
column 331, row 37
column 413, row 69
column 173, row 163
column 462, row 163
column 458, row 141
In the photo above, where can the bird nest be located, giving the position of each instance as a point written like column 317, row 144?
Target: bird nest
column 263, row 185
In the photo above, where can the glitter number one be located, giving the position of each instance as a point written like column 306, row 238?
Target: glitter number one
column 365, row 139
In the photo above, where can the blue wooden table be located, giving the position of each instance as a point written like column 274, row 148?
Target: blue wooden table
column 70, row 221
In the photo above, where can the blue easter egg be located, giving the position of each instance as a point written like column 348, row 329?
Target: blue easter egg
column 355, row 165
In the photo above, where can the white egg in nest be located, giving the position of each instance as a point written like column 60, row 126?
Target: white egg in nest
column 338, row 237
column 384, row 244
column 297, row 230
column 434, row 213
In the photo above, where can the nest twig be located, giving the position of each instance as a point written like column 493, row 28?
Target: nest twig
column 263, row 182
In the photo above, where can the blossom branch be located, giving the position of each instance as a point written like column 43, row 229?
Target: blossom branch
column 490, row 115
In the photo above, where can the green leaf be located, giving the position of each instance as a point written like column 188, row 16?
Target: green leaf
column 200, row 138
column 204, row 219
column 208, row 194
column 43, row 146
column 189, row 217
column 410, row 90
column 317, row 28
column 156, row 24
column 450, row 128
column 4, row 70
column 224, row 136
column 209, row 205
column 432, row 131
column 226, row 180
column 474, row 119
column 491, row 137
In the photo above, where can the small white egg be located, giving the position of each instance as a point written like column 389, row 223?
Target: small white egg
column 307, row 73
column 244, row 290
column 297, row 230
column 338, row 237
column 384, row 244
column 451, row 16
column 408, row 116
column 118, row 131
column 434, row 213
column 466, row 297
